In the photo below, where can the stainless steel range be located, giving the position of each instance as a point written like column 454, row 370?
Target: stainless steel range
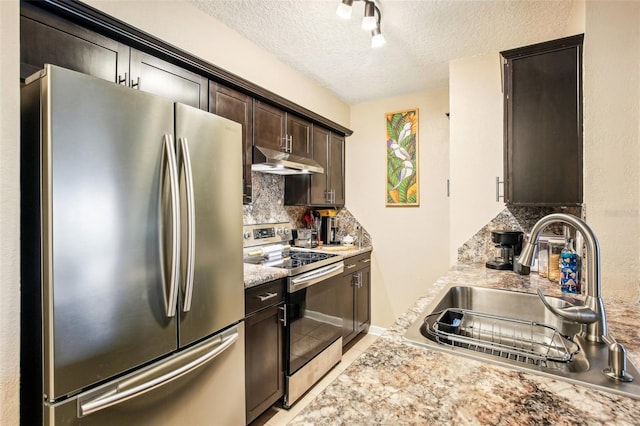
column 313, row 322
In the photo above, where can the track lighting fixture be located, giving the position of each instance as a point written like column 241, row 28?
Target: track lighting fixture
column 370, row 21
column 377, row 39
column 344, row 9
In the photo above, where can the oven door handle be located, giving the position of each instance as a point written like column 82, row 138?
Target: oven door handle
column 315, row 276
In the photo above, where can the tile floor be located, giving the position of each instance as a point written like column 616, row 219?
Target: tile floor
column 277, row 416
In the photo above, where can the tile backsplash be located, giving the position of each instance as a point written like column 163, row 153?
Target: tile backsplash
column 479, row 248
column 268, row 207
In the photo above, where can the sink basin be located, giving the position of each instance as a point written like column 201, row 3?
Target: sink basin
column 514, row 329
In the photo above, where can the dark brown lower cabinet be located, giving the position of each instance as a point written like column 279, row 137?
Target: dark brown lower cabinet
column 264, row 373
column 355, row 297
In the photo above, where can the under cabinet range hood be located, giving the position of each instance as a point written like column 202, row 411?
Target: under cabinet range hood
column 268, row 160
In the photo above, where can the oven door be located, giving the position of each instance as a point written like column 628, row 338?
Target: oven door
column 314, row 320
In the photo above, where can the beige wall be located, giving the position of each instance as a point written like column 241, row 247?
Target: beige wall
column 9, row 212
column 185, row 26
column 475, row 96
column 410, row 243
column 612, row 141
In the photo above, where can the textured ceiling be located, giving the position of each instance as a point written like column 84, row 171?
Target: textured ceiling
column 422, row 37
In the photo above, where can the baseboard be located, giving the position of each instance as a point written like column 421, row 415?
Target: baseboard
column 376, row 331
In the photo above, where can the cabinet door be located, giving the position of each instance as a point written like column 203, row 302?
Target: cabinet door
column 347, row 305
column 363, row 300
column 45, row 39
column 299, row 132
column 238, row 107
column 268, row 126
column 543, row 124
column 264, row 374
column 153, row 75
column 320, row 143
column 336, row 169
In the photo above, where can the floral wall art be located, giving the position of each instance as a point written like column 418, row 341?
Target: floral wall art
column 402, row 158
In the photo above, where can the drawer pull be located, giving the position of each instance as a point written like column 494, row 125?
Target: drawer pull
column 353, row 265
column 267, row 296
column 366, row 260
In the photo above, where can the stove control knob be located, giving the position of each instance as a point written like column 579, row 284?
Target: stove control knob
column 246, row 235
column 285, row 231
column 280, row 231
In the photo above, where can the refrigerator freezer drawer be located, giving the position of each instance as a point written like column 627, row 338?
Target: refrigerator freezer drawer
column 202, row 385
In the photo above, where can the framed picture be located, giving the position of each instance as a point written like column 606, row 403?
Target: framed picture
column 402, row 158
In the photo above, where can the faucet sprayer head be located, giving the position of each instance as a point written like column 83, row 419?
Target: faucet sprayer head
column 526, row 255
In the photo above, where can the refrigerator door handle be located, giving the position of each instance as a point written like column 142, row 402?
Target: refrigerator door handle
column 154, row 377
column 169, row 157
column 185, row 164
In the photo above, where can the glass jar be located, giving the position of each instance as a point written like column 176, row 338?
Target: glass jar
column 543, row 258
column 555, row 249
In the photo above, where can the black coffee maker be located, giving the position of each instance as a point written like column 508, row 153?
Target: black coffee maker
column 509, row 244
column 329, row 230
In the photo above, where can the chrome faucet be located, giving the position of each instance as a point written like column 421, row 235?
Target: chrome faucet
column 591, row 315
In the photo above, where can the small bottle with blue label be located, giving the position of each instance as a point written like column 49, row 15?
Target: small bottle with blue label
column 569, row 269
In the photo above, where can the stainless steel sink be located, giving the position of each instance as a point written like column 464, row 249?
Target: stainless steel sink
column 514, row 329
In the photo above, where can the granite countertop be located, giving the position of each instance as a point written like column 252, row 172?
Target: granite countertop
column 394, row 382
column 257, row 274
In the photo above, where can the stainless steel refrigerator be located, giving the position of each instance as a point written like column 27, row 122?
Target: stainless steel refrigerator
column 132, row 279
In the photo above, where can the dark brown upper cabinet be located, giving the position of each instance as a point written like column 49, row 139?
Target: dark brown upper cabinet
column 153, row 75
column 325, row 189
column 47, row 39
column 276, row 129
column 543, row 123
column 299, row 134
column 328, row 150
column 236, row 106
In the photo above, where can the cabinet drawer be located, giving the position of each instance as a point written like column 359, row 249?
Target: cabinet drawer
column 356, row 262
column 263, row 295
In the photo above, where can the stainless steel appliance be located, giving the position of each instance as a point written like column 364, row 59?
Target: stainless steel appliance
column 305, row 238
column 132, row 276
column 313, row 321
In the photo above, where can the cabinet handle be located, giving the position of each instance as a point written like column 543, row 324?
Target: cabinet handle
column 287, row 143
column 291, row 144
column 498, row 182
column 266, row 296
column 136, row 83
column 283, row 308
column 356, row 279
column 330, row 196
column 122, row 80
column 365, row 260
column 353, row 265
